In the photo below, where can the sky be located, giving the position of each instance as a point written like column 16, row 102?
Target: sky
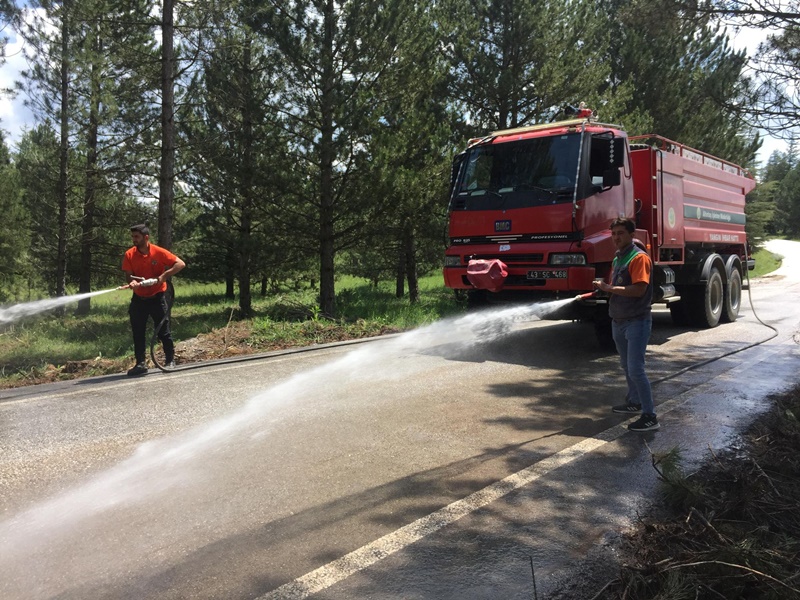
column 15, row 117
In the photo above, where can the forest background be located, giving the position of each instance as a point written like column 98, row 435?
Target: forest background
column 285, row 144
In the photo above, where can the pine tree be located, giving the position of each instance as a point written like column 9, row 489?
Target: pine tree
column 14, row 236
column 683, row 77
column 518, row 62
column 237, row 156
column 335, row 54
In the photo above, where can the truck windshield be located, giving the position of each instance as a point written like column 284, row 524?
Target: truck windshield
column 519, row 174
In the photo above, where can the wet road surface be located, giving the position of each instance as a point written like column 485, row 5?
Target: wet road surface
column 437, row 464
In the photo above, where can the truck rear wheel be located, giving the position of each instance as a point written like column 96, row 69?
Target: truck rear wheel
column 708, row 304
column 733, row 296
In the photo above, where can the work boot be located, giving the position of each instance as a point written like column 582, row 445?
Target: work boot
column 627, row 409
column 138, row 369
column 645, row 423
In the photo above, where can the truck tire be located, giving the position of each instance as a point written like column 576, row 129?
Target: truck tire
column 708, row 304
column 733, row 296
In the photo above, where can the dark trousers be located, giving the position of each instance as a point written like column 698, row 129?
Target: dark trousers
column 140, row 310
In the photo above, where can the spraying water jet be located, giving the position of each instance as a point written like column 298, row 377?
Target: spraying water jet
column 16, row 312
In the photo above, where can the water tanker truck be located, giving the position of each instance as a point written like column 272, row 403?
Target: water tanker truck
column 530, row 210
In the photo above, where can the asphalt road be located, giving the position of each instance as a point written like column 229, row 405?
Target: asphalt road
column 441, row 463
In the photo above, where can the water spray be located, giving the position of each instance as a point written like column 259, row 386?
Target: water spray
column 20, row 311
column 26, row 309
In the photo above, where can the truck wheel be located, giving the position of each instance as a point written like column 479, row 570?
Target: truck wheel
column 708, row 308
column 733, row 296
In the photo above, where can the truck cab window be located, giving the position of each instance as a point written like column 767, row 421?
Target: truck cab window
column 520, row 173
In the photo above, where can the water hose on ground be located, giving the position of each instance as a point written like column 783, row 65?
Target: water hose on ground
column 742, row 349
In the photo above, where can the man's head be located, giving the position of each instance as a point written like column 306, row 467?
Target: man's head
column 140, row 236
column 622, row 232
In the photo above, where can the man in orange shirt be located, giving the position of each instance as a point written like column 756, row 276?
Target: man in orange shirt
column 142, row 264
column 629, row 306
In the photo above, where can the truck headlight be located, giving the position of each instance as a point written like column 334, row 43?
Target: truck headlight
column 452, row 261
column 567, row 259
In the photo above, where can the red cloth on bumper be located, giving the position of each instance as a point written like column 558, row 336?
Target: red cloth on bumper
column 487, row 274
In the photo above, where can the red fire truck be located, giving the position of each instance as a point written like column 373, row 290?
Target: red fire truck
column 530, row 210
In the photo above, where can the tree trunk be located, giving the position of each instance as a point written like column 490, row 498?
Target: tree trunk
column 400, row 273
column 166, row 187
column 327, row 290
column 61, row 256
column 246, row 223
column 89, row 198
column 411, row 262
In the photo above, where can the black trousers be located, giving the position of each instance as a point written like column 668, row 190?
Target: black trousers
column 140, row 310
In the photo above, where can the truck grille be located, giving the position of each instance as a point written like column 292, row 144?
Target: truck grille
column 532, row 259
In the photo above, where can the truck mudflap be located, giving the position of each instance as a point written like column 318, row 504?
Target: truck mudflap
column 487, row 274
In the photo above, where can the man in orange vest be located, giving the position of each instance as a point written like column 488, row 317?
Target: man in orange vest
column 147, row 268
column 629, row 305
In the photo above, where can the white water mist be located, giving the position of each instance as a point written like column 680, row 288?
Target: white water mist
column 16, row 312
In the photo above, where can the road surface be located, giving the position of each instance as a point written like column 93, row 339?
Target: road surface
column 441, row 463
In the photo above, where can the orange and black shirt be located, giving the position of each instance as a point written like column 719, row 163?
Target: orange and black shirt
column 149, row 266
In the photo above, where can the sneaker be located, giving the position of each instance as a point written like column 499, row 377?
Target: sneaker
column 644, row 423
column 170, row 364
column 627, row 409
column 138, row 369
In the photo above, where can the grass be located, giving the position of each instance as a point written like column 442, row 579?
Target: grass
column 47, row 347
column 766, row 262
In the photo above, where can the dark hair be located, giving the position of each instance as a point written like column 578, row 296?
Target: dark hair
column 625, row 222
column 141, row 228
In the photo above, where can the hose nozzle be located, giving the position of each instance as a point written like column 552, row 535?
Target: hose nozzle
column 585, row 296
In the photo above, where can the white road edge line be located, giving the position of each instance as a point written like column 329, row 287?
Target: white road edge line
column 340, row 569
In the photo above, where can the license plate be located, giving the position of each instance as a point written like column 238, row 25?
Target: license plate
column 557, row 274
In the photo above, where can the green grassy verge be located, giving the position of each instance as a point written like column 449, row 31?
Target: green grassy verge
column 766, row 262
column 47, row 347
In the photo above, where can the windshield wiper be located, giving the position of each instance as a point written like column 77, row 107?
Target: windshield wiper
column 485, row 191
column 528, row 187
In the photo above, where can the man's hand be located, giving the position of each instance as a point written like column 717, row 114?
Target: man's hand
column 602, row 286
